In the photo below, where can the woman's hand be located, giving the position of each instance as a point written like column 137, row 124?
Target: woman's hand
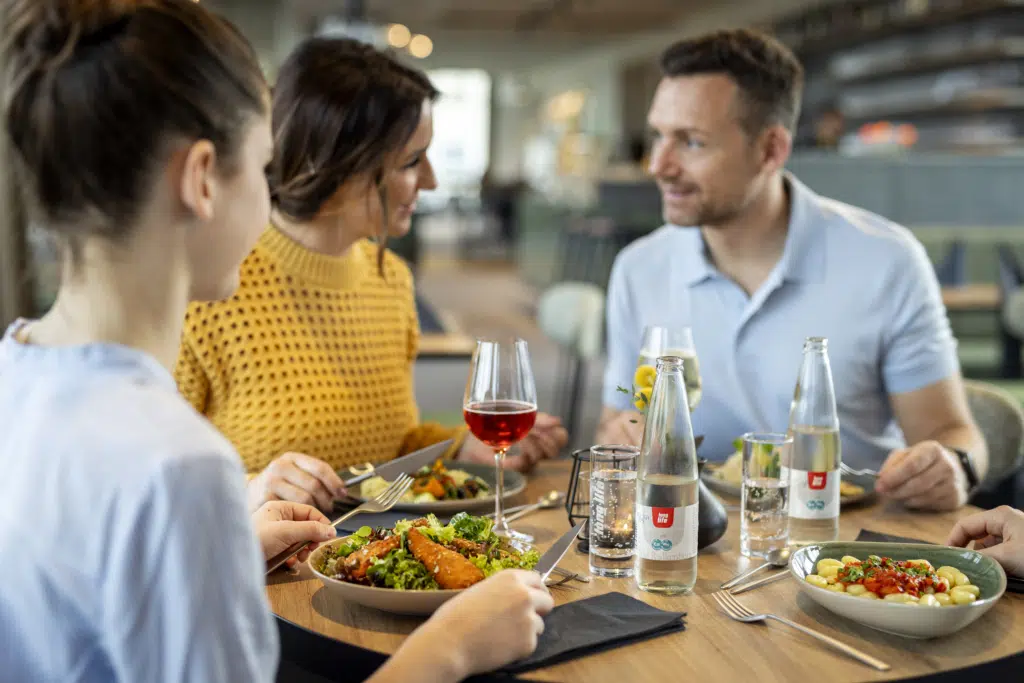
column 494, row 623
column 997, row 533
column 297, row 478
column 281, row 523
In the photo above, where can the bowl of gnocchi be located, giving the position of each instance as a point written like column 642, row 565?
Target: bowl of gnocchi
column 910, row 590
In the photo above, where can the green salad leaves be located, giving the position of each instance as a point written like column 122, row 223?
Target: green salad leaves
column 472, row 537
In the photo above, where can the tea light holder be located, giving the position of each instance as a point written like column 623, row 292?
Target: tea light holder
column 577, row 501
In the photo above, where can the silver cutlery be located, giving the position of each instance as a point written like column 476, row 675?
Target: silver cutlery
column 732, row 607
column 776, row 558
column 778, row 576
column 382, row 503
column 549, row 500
column 407, row 464
column 846, row 469
column 554, row 554
column 582, row 578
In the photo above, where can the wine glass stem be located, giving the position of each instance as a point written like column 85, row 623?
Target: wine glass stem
column 500, row 525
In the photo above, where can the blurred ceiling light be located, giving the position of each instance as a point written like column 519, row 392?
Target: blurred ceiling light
column 398, row 35
column 421, row 46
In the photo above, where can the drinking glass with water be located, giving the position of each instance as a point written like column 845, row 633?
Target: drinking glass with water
column 612, row 508
column 764, row 517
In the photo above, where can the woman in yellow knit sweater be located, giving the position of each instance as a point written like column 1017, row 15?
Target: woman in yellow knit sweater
column 308, row 368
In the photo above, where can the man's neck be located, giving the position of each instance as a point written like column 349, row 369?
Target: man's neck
column 747, row 248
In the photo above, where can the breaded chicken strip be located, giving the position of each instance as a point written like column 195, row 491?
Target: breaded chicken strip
column 359, row 562
column 451, row 570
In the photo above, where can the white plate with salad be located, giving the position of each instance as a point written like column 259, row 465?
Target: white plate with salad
column 416, row 566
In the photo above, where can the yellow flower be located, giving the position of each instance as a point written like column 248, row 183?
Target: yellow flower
column 644, row 377
column 643, row 398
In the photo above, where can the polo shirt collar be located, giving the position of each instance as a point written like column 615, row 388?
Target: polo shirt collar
column 803, row 258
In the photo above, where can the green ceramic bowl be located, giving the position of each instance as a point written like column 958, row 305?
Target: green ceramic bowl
column 911, row 621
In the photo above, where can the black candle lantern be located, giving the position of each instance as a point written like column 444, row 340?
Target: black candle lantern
column 577, row 499
column 577, row 502
column 712, row 517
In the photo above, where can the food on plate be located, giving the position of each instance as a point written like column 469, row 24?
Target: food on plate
column 910, row 582
column 432, row 484
column 731, row 471
column 423, row 554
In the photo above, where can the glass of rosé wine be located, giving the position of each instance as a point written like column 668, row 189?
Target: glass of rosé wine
column 500, row 408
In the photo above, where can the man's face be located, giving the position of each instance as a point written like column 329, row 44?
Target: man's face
column 706, row 164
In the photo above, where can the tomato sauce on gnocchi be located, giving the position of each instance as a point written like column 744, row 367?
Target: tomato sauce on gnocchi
column 912, row 582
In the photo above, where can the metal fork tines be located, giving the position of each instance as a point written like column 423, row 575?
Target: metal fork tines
column 846, row 469
column 732, row 607
column 384, row 501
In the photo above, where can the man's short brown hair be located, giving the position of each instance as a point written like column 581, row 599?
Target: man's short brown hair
column 768, row 74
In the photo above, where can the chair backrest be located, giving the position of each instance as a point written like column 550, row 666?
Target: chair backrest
column 572, row 314
column 1001, row 421
column 1013, row 312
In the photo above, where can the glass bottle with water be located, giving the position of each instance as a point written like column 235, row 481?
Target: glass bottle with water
column 667, row 490
column 815, row 455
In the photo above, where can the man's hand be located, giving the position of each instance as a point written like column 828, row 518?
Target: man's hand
column 546, row 440
column 926, row 476
column 623, row 427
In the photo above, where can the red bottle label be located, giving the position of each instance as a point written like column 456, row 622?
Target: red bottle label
column 663, row 517
column 817, row 481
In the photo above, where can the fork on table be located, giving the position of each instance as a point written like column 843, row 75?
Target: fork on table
column 732, row 607
column 384, row 501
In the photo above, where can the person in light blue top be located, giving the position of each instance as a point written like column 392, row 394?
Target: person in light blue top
column 140, row 133
column 764, row 263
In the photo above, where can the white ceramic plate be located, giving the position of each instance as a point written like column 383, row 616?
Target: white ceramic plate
column 910, row 621
column 415, row 603
column 728, row 488
column 515, row 483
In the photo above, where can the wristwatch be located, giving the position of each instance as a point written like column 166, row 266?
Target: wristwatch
column 968, row 466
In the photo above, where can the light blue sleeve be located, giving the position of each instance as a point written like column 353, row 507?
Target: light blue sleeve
column 184, row 595
column 623, row 335
column 918, row 343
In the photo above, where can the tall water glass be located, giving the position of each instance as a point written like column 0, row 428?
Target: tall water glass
column 764, row 515
column 612, row 509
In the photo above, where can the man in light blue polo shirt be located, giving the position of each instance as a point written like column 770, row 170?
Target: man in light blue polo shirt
column 767, row 263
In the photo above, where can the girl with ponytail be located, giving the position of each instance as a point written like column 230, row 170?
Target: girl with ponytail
column 140, row 134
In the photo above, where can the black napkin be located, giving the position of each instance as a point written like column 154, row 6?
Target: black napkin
column 589, row 626
column 1013, row 583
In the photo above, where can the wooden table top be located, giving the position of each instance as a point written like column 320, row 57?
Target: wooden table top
column 713, row 647
column 454, row 345
column 974, row 297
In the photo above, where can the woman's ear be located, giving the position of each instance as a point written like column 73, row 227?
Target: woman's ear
column 198, row 179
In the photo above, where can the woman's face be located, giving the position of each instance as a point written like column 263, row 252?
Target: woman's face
column 411, row 173
column 357, row 202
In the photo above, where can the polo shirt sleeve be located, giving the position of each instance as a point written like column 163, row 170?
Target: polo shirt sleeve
column 919, row 346
column 183, row 595
column 623, row 335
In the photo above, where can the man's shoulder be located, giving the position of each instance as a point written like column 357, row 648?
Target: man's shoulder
column 644, row 250
column 862, row 229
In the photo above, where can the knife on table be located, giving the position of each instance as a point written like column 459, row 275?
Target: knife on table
column 407, row 464
column 554, row 554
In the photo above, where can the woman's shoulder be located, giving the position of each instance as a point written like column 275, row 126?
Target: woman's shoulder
column 396, row 271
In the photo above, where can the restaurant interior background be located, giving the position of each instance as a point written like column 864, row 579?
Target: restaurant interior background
column 913, row 109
